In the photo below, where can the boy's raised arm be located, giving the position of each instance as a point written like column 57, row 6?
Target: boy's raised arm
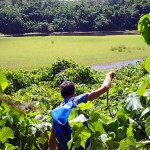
column 104, row 87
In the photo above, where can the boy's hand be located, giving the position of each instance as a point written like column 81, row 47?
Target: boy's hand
column 111, row 74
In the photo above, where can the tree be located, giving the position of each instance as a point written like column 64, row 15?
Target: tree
column 11, row 21
column 20, row 16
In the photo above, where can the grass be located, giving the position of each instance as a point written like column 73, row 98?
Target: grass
column 39, row 51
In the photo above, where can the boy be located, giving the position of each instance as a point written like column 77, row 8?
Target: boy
column 67, row 90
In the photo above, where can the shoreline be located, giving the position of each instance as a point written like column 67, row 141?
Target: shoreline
column 90, row 33
column 116, row 65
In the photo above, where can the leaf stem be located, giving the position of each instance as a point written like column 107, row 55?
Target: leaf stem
column 108, row 105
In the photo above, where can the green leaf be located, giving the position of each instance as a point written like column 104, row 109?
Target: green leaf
column 77, row 128
column 144, row 28
column 6, row 133
column 79, row 131
column 77, row 142
column 128, row 143
column 147, row 126
column 72, row 114
column 2, row 122
column 41, row 140
column 122, row 119
column 9, row 146
column 103, row 118
column 70, row 144
column 121, row 132
column 143, row 87
column 130, row 130
column 99, row 127
column 133, row 102
column 85, row 134
column 112, row 145
column 113, row 125
column 147, row 64
column 94, row 117
column 3, row 82
column 122, row 116
column 84, row 106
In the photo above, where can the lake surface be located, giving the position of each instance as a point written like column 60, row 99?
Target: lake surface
column 115, row 65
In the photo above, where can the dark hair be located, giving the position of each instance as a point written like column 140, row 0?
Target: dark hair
column 67, row 88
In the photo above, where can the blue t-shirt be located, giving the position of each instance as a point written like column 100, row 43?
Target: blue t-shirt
column 63, row 133
column 76, row 100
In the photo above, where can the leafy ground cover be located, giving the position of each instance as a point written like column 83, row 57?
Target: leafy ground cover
column 34, row 52
column 116, row 120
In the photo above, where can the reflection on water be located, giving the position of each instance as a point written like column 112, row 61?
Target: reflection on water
column 115, row 65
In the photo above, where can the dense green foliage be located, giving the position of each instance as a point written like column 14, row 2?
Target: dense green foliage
column 25, row 115
column 46, row 16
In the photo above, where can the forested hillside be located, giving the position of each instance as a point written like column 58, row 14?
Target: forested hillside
column 46, row 16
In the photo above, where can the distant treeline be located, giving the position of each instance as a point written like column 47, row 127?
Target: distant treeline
column 46, row 16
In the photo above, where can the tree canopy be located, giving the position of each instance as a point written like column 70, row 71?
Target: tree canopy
column 46, row 16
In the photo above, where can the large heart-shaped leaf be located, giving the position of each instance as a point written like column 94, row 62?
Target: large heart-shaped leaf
column 85, row 106
column 144, row 28
column 6, row 133
column 133, row 102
